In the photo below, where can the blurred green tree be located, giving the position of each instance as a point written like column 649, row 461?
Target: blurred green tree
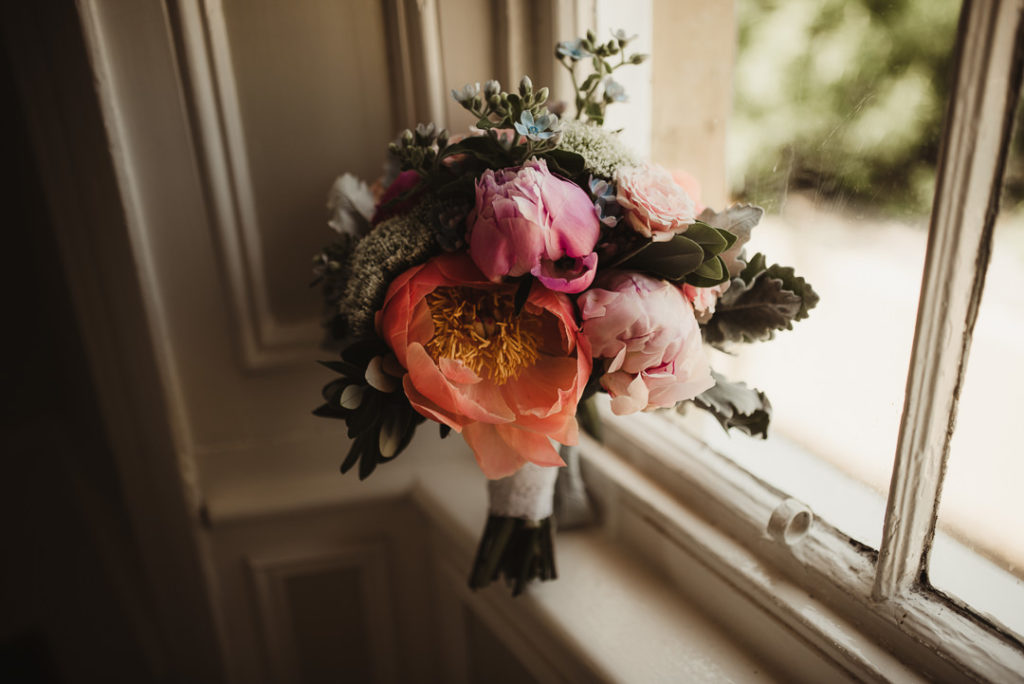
column 842, row 98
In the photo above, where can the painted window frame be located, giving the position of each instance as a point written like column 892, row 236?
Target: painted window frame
column 887, row 591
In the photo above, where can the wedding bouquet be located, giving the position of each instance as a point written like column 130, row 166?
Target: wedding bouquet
column 493, row 281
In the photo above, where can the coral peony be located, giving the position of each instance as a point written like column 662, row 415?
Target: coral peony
column 508, row 382
column 654, row 204
column 646, row 330
column 527, row 220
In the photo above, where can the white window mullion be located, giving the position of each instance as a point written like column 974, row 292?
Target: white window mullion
column 977, row 134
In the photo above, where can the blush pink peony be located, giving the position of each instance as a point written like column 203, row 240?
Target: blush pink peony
column 703, row 299
column 646, row 331
column 527, row 220
column 653, row 203
column 508, row 382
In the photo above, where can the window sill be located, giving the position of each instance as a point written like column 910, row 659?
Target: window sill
column 680, row 581
column 817, row 588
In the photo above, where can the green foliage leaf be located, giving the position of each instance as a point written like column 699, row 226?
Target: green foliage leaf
column 671, row 260
column 739, row 220
column 710, row 273
column 734, row 405
column 794, row 283
column 484, row 148
column 565, row 163
column 711, row 240
column 380, row 424
column 753, row 308
column 753, row 268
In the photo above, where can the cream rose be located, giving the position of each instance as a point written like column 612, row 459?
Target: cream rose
column 654, row 204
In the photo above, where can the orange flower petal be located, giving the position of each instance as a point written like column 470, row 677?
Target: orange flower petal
column 496, row 457
column 535, row 448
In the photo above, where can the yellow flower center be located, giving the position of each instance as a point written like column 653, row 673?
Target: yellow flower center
column 481, row 329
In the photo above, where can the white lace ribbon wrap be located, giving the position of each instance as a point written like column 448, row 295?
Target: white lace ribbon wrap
column 529, row 493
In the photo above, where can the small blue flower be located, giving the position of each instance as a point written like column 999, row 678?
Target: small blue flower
column 608, row 209
column 574, row 50
column 541, row 129
column 614, row 91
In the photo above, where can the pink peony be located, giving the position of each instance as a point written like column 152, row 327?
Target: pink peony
column 507, row 382
column 646, row 330
column 527, row 220
column 703, row 299
column 654, row 204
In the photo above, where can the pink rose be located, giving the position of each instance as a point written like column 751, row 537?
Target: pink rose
column 646, row 330
column 654, row 204
column 528, row 221
column 508, row 382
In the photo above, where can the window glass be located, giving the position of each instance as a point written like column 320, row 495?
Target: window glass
column 838, row 109
column 981, row 505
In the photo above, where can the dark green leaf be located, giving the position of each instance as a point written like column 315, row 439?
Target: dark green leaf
column 709, row 238
column 342, row 367
column 797, row 285
column 755, row 267
column 327, row 411
column 565, row 163
column 739, row 219
column 590, row 81
column 351, row 458
column 712, row 270
column 594, row 110
column 671, row 260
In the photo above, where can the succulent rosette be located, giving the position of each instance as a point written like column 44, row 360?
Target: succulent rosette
column 493, row 280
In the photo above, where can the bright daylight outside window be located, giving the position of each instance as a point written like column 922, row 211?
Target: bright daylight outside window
column 836, row 128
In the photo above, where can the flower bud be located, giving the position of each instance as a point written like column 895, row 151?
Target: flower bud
column 491, row 88
column 525, row 86
column 425, row 133
column 406, row 137
column 638, row 59
column 542, row 95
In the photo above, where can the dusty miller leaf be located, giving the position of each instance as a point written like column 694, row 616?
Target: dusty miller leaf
column 754, row 307
column 797, row 285
column 734, row 405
